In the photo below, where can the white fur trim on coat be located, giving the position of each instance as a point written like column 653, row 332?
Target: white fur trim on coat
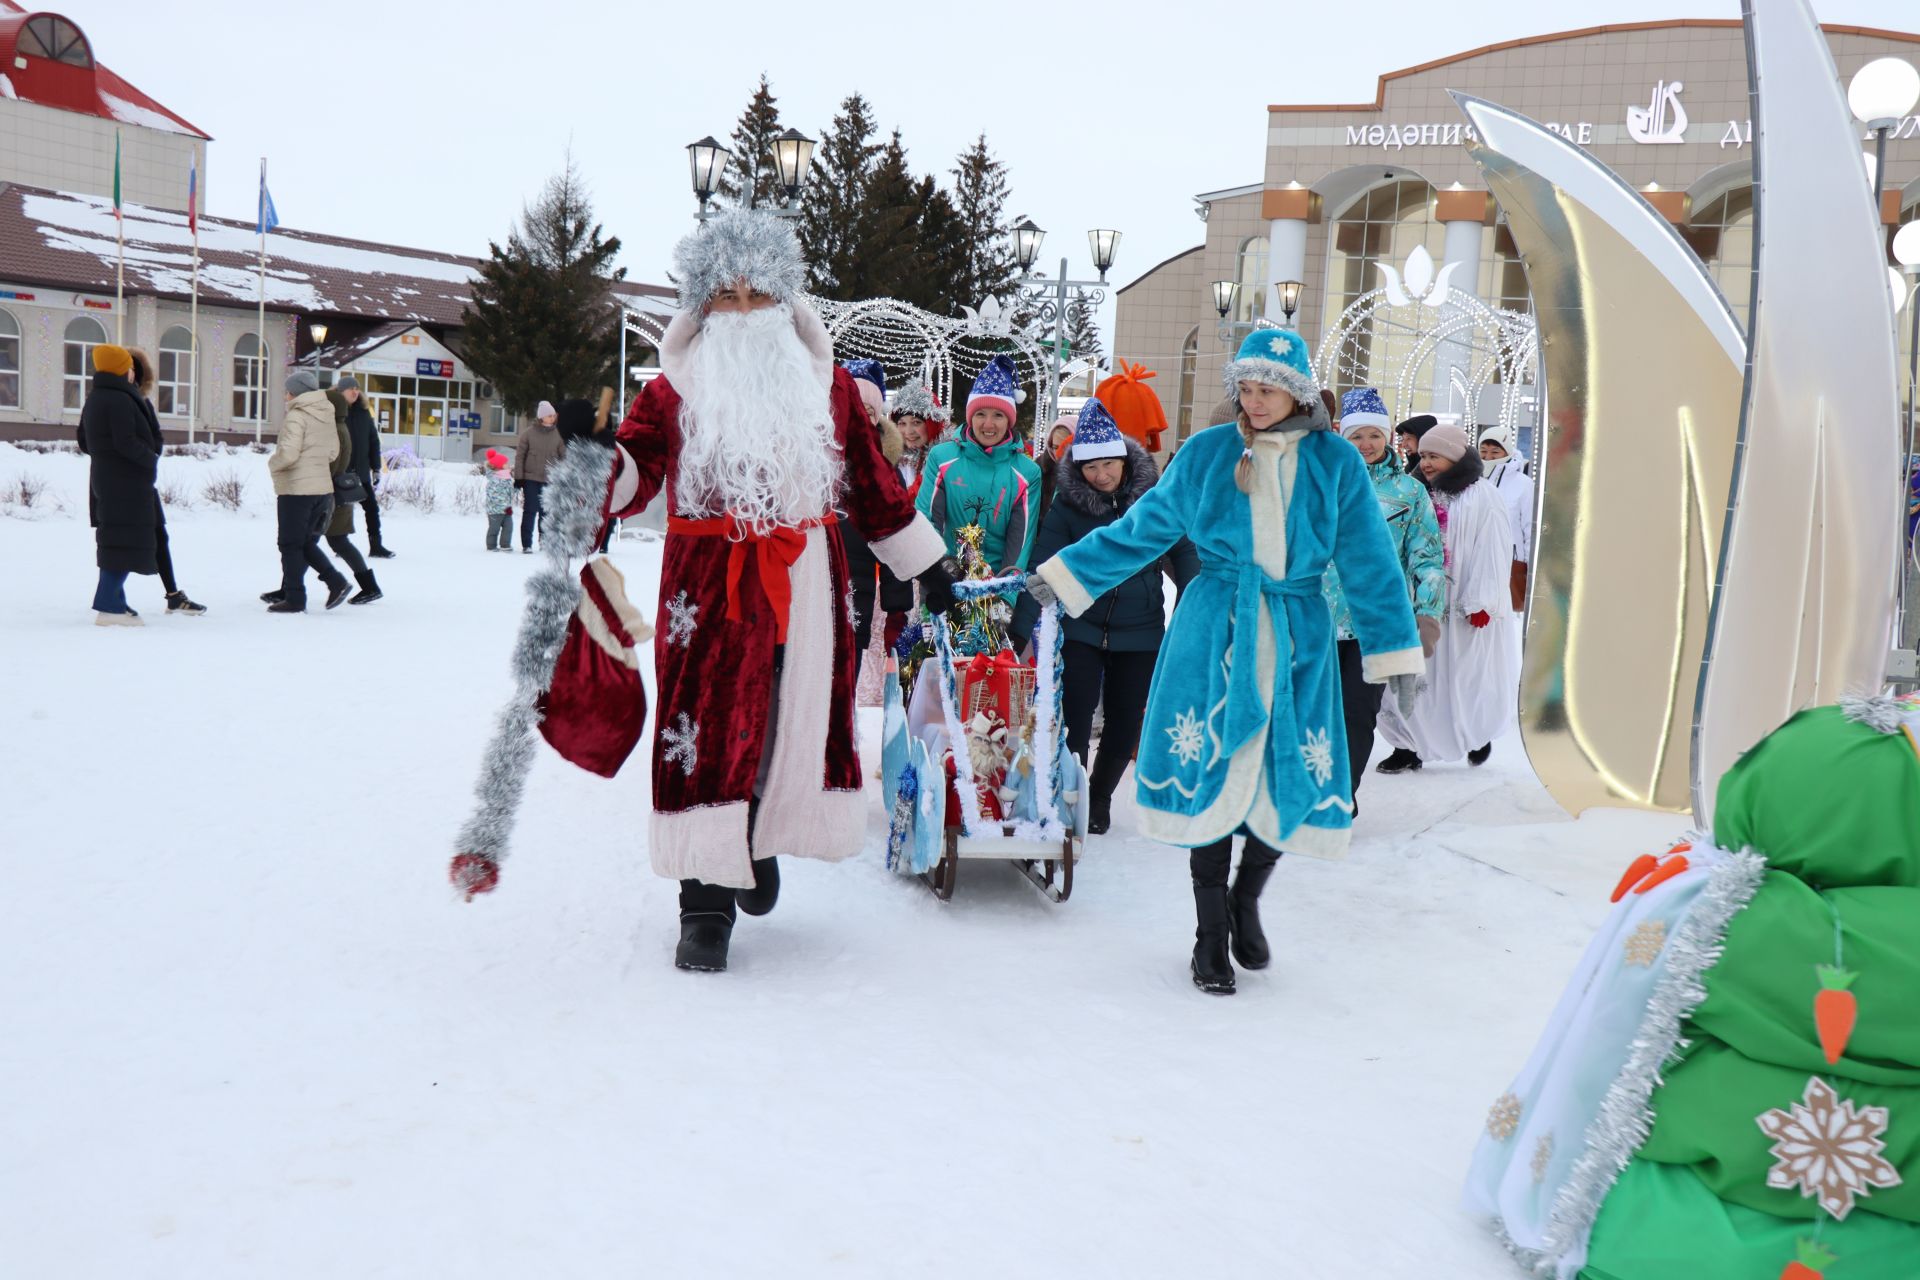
column 707, row 844
column 1074, row 596
column 911, row 551
column 1378, row 668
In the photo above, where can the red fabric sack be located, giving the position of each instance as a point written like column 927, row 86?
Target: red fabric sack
column 596, row 709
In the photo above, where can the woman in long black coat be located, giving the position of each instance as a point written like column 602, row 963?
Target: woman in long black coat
column 124, row 445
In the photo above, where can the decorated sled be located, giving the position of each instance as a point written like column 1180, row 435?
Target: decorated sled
column 975, row 762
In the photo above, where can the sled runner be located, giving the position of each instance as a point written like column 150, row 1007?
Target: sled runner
column 975, row 764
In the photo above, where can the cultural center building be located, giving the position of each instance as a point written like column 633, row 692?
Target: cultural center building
column 388, row 314
column 1347, row 188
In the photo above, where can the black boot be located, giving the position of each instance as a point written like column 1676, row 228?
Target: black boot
column 1099, row 816
column 703, row 941
column 177, row 602
column 1401, row 761
column 1250, row 949
column 759, row 900
column 337, row 592
column 1478, row 756
column 274, row 596
column 379, row 551
column 1212, row 970
column 284, row 605
column 369, row 589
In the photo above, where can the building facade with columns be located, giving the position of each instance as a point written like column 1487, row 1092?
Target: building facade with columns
column 1348, row 189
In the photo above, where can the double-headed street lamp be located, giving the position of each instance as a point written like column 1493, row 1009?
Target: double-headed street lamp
column 1881, row 95
column 1054, row 297
column 1226, row 293
column 792, row 161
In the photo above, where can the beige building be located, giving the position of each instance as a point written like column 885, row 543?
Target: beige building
column 1349, row 188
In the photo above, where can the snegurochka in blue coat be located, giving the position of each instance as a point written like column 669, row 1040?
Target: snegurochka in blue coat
column 1244, row 731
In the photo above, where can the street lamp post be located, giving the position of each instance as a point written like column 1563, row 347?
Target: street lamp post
column 318, row 332
column 708, row 160
column 1054, row 297
column 1225, row 294
column 1906, row 249
column 1289, row 298
column 1881, row 95
column 792, row 161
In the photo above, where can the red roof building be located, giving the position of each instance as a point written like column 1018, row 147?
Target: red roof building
column 45, row 58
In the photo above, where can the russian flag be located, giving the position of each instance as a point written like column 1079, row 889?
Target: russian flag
column 193, row 196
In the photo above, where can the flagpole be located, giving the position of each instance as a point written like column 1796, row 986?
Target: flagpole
column 260, row 421
column 193, row 323
column 120, row 257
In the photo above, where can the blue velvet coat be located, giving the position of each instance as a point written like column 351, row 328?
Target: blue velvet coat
column 1254, row 740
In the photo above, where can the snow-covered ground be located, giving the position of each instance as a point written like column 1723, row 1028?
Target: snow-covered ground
column 249, row 1030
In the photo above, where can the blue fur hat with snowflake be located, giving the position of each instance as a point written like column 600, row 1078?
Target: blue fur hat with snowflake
column 868, row 371
column 1278, row 358
column 997, row 387
column 740, row 244
column 1363, row 407
column 1097, row 435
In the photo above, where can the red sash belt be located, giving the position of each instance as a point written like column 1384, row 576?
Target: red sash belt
column 774, row 554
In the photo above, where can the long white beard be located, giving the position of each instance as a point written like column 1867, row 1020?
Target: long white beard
column 756, row 424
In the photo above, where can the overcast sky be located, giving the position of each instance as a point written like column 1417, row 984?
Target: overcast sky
column 428, row 122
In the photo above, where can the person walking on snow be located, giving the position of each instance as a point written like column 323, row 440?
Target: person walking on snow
column 1470, row 697
column 1507, row 472
column 499, row 503
column 302, row 469
column 1415, row 531
column 759, row 441
column 123, row 450
column 538, row 447
column 340, row 524
column 364, row 434
column 985, row 478
column 1244, row 731
column 1110, row 649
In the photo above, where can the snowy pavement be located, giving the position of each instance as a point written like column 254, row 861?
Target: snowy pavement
column 251, row 1032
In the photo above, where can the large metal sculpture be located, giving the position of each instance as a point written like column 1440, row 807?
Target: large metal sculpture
column 1716, row 545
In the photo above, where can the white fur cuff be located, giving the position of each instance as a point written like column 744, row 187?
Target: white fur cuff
column 1066, row 586
column 912, row 551
column 626, row 482
column 1378, row 668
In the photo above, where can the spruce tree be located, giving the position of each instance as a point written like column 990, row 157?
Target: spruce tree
column 888, row 253
column 751, row 171
column 541, row 324
column 986, row 264
column 942, row 255
column 1083, row 332
column 834, row 201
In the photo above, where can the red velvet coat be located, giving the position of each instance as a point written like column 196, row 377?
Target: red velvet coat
column 716, row 679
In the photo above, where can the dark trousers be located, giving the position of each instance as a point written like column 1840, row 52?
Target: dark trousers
column 1124, row 678
column 110, row 596
column 164, row 554
column 1361, row 703
column 372, row 508
column 530, row 511
column 303, row 519
column 500, row 530
column 343, row 547
column 1210, row 863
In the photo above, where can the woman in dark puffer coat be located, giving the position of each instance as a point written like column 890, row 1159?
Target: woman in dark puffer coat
column 1110, row 649
column 117, row 432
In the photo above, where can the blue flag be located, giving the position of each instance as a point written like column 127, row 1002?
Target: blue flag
column 269, row 216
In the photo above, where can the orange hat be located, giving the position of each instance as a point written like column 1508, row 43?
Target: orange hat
column 1133, row 404
column 108, row 358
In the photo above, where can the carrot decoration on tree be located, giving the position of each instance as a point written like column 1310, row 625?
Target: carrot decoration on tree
column 1835, row 1010
column 1668, row 870
column 1636, row 871
column 1812, row 1264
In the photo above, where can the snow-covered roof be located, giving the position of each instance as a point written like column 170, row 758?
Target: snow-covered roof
column 67, row 239
column 82, row 84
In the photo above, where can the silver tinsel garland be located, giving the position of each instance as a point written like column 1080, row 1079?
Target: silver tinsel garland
column 574, row 506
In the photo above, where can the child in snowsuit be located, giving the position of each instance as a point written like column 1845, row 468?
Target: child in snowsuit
column 499, row 503
column 985, row 477
column 1244, row 730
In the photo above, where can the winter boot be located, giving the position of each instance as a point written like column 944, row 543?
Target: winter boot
column 127, row 619
column 369, row 589
column 1099, row 815
column 284, row 605
column 1212, row 969
column 759, row 900
column 1250, row 949
column 1478, row 756
column 1401, row 761
column 177, row 602
column 274, row 596
column 703, row 941
column 338, row 592
column 379, row 552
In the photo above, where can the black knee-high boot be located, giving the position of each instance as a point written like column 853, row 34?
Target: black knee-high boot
column 1243, row 905
column 1212, row 969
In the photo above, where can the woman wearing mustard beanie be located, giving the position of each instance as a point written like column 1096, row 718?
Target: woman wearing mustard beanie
column 124, row 448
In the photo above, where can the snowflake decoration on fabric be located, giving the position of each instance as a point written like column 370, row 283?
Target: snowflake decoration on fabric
column 683, row 619
column 683, row 743
column 853, row 612
column 1317, row 754
column 1000, row 612
column 1644, row 945
column 1828, row 1148
column 1186, row 736
column 1503, row 1117
column 1542, row 1156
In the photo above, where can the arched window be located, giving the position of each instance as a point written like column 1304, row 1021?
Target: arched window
column 1250, row 269
column 1721, row 232
column 48, row 36
column 9, row 361
column 83, row 335
column 1189, row 374
column 173, row 389
column 1503, row 276
column 250, row 379
column 1382, row 225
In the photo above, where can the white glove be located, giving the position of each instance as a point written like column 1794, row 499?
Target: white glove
column 1042, row 594
column 1406, row 691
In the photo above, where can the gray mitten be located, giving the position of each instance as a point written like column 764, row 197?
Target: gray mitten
column 1406, row 689
column 1042, row 594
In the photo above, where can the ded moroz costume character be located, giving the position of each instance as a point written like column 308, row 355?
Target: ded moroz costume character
column 760, row 442
column 1244, row 730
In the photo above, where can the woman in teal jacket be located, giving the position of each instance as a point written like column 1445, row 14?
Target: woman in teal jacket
column 1415, row 531
column 1244, row 729
column 985, row 477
